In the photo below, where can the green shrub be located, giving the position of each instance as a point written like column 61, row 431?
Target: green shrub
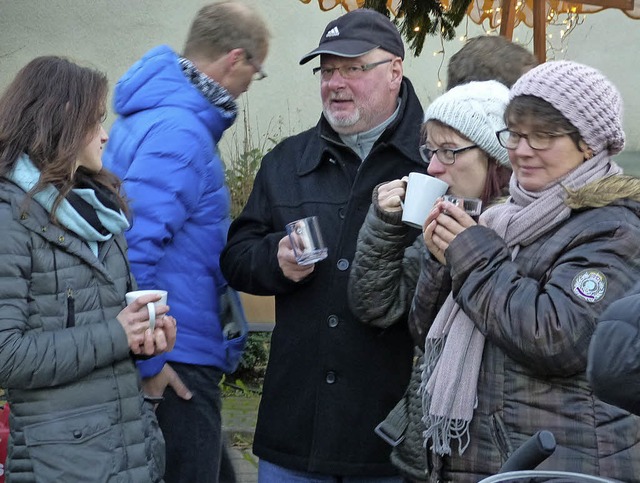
column 253, row 365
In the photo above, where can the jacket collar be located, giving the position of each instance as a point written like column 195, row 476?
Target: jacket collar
column 403, row 134
column 36, row 219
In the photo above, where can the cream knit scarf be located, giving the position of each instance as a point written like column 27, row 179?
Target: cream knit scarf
column 454, row 346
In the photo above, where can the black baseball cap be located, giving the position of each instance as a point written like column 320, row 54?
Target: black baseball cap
column 356, row 33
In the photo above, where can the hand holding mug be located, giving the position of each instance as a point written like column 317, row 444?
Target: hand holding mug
column 391, row 195
column 445, row 221
column 422, row 193
column 162, row 338
column 288, row 263
column 144, row 309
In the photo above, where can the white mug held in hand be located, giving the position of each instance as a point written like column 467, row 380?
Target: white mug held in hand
column 421, row 194
column 306, row 240
column 151, row 306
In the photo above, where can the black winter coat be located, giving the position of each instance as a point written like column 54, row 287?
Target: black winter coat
column 330, row 379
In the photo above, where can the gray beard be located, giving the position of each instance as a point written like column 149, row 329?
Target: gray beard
column 341, row 125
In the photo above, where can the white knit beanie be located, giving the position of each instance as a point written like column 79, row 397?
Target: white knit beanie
column 475, row 110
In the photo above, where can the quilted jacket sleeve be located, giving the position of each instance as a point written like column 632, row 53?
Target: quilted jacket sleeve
column 385, row 269
column 163, row 185
column 32, row 358
column 540, row 322
column 614, row 354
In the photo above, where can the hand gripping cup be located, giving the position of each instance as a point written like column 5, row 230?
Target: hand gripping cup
column 422, row 193
column 151, row 306
column 306, row 240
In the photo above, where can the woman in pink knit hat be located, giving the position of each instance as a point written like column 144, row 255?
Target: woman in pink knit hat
column 506, row 354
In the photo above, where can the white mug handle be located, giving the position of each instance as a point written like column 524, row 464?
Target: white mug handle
column 151, row 307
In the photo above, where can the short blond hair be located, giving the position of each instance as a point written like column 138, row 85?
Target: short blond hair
column 223, row 26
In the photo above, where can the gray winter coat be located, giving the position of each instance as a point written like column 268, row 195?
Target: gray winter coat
column 77, row 412
column 538, row 313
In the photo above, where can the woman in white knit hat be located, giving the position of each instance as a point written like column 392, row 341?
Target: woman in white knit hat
column 461, row 148
column 506, row 353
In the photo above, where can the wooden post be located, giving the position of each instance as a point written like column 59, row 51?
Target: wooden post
column 540, row 30
column 507, row 18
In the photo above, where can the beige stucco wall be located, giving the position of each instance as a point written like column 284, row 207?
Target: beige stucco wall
column 112, row 34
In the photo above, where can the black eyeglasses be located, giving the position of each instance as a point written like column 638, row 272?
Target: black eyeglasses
column 539, row 141
column 260, row 73
column 445, row 155
column 348, row 71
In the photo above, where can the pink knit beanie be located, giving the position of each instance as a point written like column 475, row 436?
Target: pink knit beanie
column 583, row 95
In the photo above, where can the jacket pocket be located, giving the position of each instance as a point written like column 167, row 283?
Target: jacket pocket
column 154, row 443
column 79, row 447
column 500, row 437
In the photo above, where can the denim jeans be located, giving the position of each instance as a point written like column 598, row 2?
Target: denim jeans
column 193, row 429
column 270, row 473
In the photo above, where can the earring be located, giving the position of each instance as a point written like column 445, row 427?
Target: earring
column 588, row 154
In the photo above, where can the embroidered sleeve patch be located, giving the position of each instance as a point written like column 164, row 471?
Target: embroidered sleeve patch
column 590, row 285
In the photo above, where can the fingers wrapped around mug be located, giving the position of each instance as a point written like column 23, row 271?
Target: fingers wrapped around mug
column 391, row 195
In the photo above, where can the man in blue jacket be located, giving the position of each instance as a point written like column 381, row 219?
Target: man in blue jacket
column 173, row 111
column 330, row 379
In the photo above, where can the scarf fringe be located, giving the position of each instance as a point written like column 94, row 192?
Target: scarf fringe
column 442, row 430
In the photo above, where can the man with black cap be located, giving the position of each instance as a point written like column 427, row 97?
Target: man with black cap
column 330, row 379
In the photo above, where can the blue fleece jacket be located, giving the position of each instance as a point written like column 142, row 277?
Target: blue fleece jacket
column 163, row 145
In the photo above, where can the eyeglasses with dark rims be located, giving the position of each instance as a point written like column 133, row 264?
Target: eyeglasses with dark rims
column 445, row 155
column 538, row 140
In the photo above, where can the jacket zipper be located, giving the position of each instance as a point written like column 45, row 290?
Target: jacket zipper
column 71, row 308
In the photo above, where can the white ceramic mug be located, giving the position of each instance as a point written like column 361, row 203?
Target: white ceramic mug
column 421, row 194
column 151, row 306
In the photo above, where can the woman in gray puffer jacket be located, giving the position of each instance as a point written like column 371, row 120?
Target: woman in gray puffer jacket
column 67, row 342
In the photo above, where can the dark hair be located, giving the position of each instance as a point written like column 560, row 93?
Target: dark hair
column 224, row 26
column 498, row 175
column 48, row 112
column 496, row 183
column 537, row 112
column 489, row 57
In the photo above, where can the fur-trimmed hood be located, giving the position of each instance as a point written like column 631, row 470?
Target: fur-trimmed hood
column 617, row 189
